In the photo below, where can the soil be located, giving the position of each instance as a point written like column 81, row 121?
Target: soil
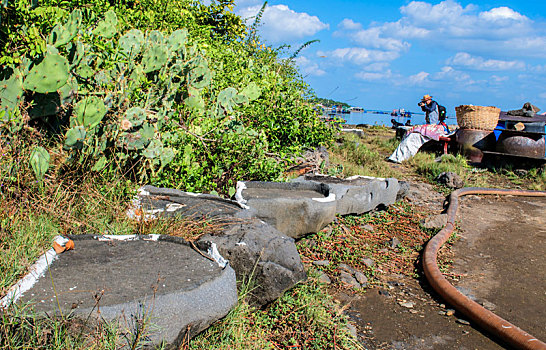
column 498, row 261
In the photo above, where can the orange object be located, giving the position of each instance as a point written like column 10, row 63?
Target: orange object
column 62, row 248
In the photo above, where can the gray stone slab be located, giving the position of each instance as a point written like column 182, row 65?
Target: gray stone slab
column 259, row 252
column 161, row 278
column 359, row 194
column 293, row 208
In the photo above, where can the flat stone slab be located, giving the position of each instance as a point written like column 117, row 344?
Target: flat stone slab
column 358, row 194
column 293, row 208
column 181, row 291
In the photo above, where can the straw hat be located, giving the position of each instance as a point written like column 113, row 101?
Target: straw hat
column 426, row 97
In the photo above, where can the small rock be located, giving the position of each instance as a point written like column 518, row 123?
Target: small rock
column 346, row 268
column 395, row 242
column 403, row 191
column 384, row 293
column 348, row 279
column 413, row 311
column 521, row 172
column 352, row 329
column 368, row 262
column 461, row 321
column 435, row 221
column 450, row 312
column 368, row 227
column 361, row 278
column 450, row 179
column 321, row 262
column 408, row 304
column 443, row 306
column 443, row 313
column 488, row 305
column 323, row 277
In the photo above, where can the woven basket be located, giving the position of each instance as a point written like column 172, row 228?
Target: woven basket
column 477, row 117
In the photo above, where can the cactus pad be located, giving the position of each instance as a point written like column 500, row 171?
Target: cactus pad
column 178, row 39
column 63, row 34
column 131, row 43
column 75, row 137
column 11, row 89
column 136, row 116
column 49, row 75
column 89, row 112
column 107, row 27
column 39, row 160
column 252, row 91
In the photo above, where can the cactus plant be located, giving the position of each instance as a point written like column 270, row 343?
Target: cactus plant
column 200, row 77
column 11, row 90
column 135, row 116
column 75, row 137
column 156, row 53
column 39, row 161
column 89, row 112
column 130, row 44
column 76, row 51
column 107, row 27
column 48, row 75
column 252, row 91
column 177, row 40
column 63, row 34
column 226, row 98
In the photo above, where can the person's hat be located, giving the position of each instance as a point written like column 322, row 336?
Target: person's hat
column 426, row 97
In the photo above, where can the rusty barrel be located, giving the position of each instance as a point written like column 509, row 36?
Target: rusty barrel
column 526, row 144
column 472, row 142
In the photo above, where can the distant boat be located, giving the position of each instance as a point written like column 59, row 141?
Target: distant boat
column 401, row 112
column 356, row 109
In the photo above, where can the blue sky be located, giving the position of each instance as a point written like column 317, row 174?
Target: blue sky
column 388, row 54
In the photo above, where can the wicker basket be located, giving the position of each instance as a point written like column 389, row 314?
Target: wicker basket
column 477, row 117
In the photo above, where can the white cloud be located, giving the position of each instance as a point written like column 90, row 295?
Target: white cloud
column 450, row 74
column 375, row 76
column 359, row 55
column 501, row 14
column 281, row 24
column 463, row 59
column 373, row 37
column 308, row 67
column 418, row 79
column 349, row 24
column 498, row 79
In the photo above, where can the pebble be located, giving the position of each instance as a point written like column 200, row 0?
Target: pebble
column 407, row 304
column 368, row 227
column 450, row 312
column 324, row 278
column 321, row 262
column 361, row 278
column 461, row 321
column 352, row 330
column 395, row 242
column 368, row 262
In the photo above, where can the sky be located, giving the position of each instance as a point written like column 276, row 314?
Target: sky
column 388, row 54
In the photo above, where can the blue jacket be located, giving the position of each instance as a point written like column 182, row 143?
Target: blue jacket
column 431, row 112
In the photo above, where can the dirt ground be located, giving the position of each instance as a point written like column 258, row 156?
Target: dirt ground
column 498, row 261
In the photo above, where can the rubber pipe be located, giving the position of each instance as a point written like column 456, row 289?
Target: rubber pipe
column 484, row 318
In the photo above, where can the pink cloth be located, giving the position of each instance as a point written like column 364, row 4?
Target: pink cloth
column 429, row 130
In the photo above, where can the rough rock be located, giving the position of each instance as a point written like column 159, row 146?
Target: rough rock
column 293, row 208
column 323, row 277
column 321, row 262
column 435, row 221
column 403, row 191
column 423, row 194
column 395, row 242
column 361, row 278
column 368, row 262
column 358, row 194
column 258, row 251
column 450, row 179
column 348, row 278
column 161, row 277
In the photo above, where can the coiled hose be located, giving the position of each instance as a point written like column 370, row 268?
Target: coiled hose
column 484, row 318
